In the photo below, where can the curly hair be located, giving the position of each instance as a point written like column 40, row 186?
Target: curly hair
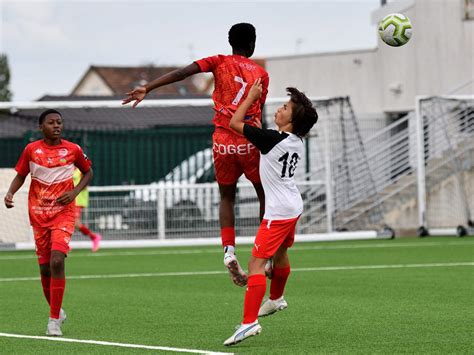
column 304, row 115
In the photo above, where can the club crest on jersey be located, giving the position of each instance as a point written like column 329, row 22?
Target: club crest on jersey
column 62, row 152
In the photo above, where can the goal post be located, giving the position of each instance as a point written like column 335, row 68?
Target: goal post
column 445, row 164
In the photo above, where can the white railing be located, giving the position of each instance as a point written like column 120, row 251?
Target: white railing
column 175, row 211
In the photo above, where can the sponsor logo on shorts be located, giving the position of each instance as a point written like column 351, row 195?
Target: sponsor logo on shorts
column 241, row 149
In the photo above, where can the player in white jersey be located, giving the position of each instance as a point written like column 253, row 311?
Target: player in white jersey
column 280, row 152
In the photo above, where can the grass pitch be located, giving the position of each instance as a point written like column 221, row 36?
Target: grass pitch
column 394, row 296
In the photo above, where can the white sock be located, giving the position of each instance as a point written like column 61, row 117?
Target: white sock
column 229, row 249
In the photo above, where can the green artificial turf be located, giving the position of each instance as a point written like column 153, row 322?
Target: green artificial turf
column 346, row 311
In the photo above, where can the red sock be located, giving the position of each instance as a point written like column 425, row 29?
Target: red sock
column 277, row 286
column 228, row 236
column 256, row 287
column 57, row 292
column 46, row 283
column 86, row 231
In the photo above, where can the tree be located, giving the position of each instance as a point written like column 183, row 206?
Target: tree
column 5, row 93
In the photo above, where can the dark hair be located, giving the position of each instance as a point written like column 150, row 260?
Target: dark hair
column 304, row 115
column 48, row 112
column 242, row 37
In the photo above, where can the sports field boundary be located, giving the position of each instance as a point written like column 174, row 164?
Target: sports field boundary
column 216, row 272
column 108, row 343
column 297, row 248
column 146, row 243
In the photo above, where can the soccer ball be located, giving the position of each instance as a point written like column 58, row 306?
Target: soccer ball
column 395, row 30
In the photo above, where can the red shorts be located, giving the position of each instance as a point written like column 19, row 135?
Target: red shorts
column 273, row 234
column 233, row 156
column 55, row 237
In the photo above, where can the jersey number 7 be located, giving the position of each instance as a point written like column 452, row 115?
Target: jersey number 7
column 241, row 92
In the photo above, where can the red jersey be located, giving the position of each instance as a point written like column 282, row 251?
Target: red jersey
column 51, row 168
column 234, row 75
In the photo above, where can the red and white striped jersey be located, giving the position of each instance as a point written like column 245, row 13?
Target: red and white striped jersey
column 51, row 169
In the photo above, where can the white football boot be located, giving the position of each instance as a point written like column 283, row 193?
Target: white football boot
column 62, row 316
column 54, row 327
column 243, row 332
column 271, row 306
column 239, row 277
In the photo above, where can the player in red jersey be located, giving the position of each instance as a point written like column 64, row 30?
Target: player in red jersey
column 233, row 154
column 51, row 162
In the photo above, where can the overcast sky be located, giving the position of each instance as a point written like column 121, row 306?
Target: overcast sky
column 50, row 44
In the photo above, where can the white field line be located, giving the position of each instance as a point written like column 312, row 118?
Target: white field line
column 108, row 343
column 205, row 273
column 247, row 249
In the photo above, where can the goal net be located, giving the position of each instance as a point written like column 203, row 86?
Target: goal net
column 445, row 162
column 154, row 176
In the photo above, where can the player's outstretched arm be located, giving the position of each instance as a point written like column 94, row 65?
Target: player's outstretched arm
column 17, row 182
column 70, row 196
column 139, row 93
column 237, row 121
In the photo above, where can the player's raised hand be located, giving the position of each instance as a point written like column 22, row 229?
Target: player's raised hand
column 137, row 95
column 9, row 200
column 256, row 90
column 66, row 198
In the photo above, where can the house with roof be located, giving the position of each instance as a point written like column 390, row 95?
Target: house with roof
column 117, row 80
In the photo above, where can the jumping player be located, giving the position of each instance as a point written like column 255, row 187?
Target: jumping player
column 233, row 154
column 280, row 152
column 82, row 201
column 51, row 162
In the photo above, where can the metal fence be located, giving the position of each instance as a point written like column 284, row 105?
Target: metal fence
column 177, row 211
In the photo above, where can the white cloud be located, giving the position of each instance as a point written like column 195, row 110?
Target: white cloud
column 29, row 25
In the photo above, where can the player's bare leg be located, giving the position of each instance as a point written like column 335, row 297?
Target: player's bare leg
column 276, row 302
column 261, row 198
column 227, row 220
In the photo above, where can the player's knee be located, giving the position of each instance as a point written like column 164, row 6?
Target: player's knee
column 256, row 265
column 280, row 259
column 45, row 270
column 57, row 263
column 227, row 195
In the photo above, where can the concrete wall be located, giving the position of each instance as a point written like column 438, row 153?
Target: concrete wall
column 444, row 205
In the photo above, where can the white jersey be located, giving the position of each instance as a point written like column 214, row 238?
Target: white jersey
column 280, row 153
